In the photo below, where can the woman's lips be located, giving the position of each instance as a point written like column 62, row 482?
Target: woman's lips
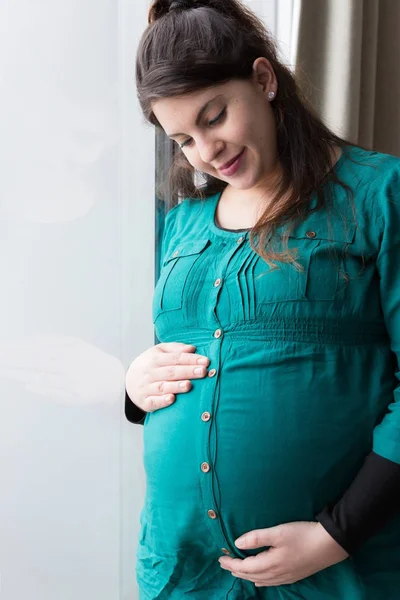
column 233, row 166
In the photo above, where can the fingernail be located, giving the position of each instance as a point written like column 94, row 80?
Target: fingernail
column 198, row 371
column 168, row 399
column 202, row 361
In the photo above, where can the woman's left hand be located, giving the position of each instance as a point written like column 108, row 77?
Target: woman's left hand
column 297, row 550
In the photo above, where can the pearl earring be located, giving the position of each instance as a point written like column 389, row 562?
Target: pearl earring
column 271, row 95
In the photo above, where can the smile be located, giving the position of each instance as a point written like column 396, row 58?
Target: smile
column 232, row 166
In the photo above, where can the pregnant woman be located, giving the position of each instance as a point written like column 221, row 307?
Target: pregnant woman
column 272, row 473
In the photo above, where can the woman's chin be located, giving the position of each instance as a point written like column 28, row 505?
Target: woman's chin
column 242, row 183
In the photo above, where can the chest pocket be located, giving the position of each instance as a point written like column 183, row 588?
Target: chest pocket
column 321, row 250
column 176, row 270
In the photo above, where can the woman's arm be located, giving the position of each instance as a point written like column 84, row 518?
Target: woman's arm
column 370, row 502
column 133, row 413
column 374, row 496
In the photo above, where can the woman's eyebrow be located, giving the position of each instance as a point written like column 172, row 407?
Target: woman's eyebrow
column 199, row 116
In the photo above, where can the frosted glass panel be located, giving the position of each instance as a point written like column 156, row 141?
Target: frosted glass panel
column 76, row 258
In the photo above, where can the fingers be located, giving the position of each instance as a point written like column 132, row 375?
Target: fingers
column 257, row 538
column 162, row 393
column 176, row 373
column 267, row 581
column 262, row 570
column 257, row 581
column 153, row 403
column 177, row 358
column 176, row 347
column 176, row 366
column 252, row 565
column 165, row 387
column 170, row 368
column 264, row 579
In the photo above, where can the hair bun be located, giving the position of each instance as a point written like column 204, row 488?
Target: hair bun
column 181, row 4
column 159, row 8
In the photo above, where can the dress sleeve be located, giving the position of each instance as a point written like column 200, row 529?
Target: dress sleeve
column 374, row 496
column 386, row 438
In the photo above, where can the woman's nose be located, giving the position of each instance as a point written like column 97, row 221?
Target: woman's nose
column 209, row 150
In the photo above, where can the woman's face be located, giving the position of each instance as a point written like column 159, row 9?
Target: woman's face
column 216, row 125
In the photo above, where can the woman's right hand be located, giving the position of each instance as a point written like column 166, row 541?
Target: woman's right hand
column 162, row 371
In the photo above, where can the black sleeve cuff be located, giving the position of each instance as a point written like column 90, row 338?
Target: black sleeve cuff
column 367, row 506
column 132, row 412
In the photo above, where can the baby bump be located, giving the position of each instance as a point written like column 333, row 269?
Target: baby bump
column 291, row 432
column 280, row 431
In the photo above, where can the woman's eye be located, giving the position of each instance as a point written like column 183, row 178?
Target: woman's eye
column 210, row 123
column 218, row 118
column 187, row 143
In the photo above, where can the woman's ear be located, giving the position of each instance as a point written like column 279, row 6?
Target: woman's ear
column 264, row 76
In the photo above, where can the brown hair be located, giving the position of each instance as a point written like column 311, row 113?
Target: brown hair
column 190, row 46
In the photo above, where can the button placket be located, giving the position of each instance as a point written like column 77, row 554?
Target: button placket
column 206, row 439
column 206, row 449
column 235, row 244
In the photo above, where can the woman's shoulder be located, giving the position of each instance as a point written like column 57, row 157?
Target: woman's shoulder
column 190, row 211
column 188, row 219
column 375, row 181
column 368, row 168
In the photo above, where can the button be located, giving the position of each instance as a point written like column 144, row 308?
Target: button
column 205, row 467
column 240, row 240
column 217, row 282
column 206, row 416
column 212, row 514
column 175, row 254
column 311, row 234
column 218, row 333
column 225, row 551
column 212, row 372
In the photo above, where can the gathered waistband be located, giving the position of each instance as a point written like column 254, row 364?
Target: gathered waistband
column 290, row 330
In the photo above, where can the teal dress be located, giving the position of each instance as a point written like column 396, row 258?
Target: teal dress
column 302, row 385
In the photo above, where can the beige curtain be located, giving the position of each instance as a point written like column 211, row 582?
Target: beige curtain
column 348, row 63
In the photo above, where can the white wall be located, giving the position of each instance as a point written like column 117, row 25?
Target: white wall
column 76, row 260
